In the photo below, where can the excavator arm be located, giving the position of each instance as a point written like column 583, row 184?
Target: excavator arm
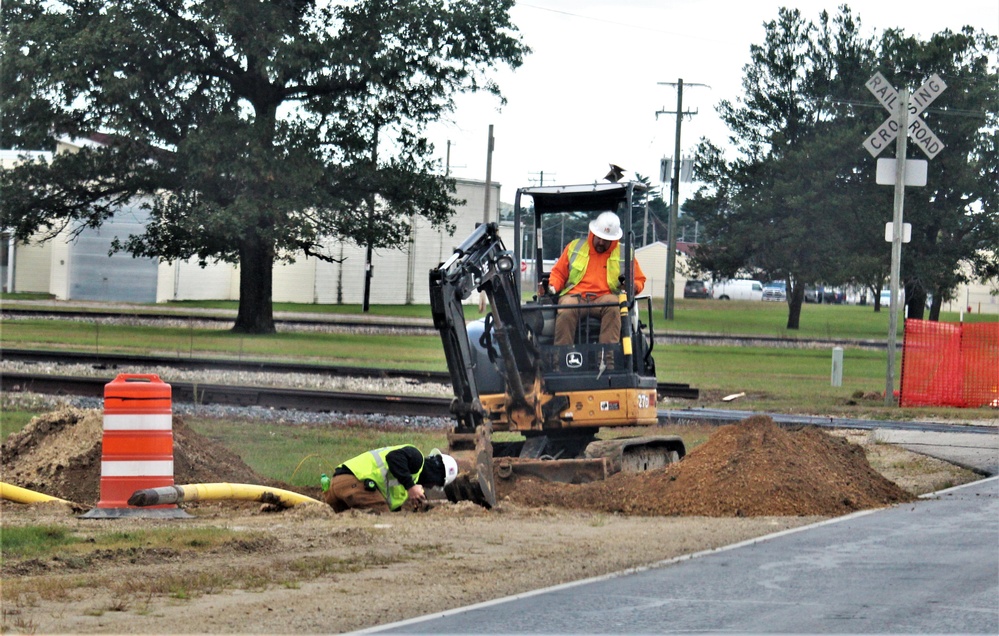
column 482, row 263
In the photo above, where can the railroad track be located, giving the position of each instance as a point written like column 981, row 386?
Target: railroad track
column 421, row 326
column 665, row 389
column 112, row 360
column 266, row 397
column 411, row 406
column 315, row 321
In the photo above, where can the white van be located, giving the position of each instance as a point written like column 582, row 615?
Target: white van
column 737, row 289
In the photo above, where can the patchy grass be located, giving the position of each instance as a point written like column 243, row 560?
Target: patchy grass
column 19, row 542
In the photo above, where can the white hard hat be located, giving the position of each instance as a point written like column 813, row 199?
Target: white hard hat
column 607, row 226
column 450, row 469
column 450, row 466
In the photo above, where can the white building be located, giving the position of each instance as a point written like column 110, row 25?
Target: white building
column 652, row 259
column 37, row 271
column 80, row 269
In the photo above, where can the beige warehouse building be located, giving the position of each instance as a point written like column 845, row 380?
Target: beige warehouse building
column 80, row 269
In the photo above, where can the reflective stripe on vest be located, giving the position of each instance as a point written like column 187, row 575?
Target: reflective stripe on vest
column 373, row 465
column 579, row 259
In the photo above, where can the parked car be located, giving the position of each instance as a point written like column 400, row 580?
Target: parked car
column 738, row 289
column 696, row 289
column 827, row 295
column 775, row 291
column 886, row 297
column 832, row 296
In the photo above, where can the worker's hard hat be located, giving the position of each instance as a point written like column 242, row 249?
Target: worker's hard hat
column 607, row 226
column 450, row 466
column 450, row 469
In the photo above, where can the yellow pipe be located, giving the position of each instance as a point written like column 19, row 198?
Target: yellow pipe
column 217, row 492
column 17, row 494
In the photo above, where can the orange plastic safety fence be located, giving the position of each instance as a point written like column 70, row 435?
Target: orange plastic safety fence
column 950, row 364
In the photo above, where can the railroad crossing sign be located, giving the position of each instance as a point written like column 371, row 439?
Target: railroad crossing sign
column 918, row 101
column 903, row 112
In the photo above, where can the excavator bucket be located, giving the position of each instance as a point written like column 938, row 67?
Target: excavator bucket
column 478, row 484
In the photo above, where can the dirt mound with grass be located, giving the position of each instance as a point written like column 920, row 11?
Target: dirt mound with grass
column 753, row 468
column 59, row 454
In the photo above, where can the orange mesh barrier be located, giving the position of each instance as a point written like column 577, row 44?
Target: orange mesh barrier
column 950, row 364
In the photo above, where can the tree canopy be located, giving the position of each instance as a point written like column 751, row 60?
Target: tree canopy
column 256, row 130
column 798, row 201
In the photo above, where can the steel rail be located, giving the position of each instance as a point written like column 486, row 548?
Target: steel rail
column 110, row 360
column 405, row 405
column 102, row 360
column 320, row 320
column 267, row 397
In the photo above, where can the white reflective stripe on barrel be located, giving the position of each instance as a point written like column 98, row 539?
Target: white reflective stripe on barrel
column 136, row 468
column 136, row 422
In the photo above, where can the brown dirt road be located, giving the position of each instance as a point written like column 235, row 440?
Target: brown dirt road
column 307, row 570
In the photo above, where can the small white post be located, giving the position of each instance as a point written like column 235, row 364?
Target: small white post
column 837, row 366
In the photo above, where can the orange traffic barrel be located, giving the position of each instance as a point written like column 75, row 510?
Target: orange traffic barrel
column 137, row 445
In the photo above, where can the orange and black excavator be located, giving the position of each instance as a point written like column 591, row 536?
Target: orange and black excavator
column 508, row 375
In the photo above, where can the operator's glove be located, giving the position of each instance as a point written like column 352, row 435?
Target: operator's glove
column 552, row 291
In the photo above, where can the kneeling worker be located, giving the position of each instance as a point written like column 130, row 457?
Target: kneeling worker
column 588, row 273
column 383, row 479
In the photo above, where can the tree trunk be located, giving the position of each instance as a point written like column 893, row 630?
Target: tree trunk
column 935, row 306
column 795, row 298
column 915, row 301
column 256, row 272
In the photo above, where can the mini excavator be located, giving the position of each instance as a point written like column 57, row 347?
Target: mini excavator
column 508, row 375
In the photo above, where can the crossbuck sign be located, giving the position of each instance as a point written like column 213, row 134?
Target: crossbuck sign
column 918, row 101
column 903, row 112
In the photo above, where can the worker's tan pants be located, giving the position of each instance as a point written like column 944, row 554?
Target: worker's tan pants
column 347, row 491
column 567, row 319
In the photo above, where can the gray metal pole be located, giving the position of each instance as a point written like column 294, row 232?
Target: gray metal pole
column 674, row 207
column 489, row 174
column 368, row 254
column 896, row 240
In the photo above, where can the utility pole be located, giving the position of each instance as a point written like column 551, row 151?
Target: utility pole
column 674, row 194
column 541, row 177
column 365, row 305
column 489, row 173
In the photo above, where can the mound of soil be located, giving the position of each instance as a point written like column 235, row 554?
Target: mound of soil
column 59, row 454
column 753, row 468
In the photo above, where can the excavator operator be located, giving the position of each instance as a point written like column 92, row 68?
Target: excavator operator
column 588, row 273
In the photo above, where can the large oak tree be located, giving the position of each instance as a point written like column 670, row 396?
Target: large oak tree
column 798, row 200
column 263, row 128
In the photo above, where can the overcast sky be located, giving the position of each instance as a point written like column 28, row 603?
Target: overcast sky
column 589, row 93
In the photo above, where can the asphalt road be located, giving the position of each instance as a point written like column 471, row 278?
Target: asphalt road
column 927, row 567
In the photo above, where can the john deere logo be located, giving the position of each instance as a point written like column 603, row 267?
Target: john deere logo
column 574, row 360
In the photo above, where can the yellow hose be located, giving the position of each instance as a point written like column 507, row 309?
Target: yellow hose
column 17, row 494
column 217, row 492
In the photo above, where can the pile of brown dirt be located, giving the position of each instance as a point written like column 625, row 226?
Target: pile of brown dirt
column 59, row 454
column 753, row 468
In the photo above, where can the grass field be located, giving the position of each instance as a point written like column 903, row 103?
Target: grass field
column 783, row 380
